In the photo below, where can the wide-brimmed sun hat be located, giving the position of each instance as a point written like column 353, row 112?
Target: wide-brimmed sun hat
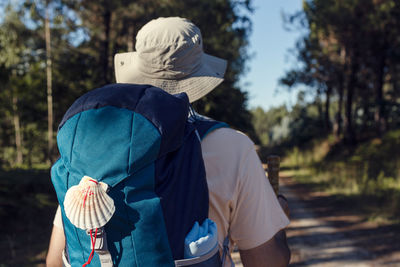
column 169, row 54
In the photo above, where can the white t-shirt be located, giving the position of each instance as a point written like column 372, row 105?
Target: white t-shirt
column 241, row 197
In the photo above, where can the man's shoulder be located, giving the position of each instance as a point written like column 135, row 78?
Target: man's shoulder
column 227, row 140
column 226, row 134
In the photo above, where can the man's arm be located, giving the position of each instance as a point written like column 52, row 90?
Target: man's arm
column 57, row 245
column 274, row 252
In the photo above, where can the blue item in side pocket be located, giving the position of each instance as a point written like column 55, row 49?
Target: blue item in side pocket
column 201, row 239
column 201, row 246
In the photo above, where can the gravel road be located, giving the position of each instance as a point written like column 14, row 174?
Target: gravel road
column 321, row 235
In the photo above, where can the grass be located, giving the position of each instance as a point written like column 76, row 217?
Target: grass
column 27, row 207
column 367, row 175
column 381, row 205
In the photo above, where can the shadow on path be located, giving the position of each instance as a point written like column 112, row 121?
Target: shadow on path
column 329, row 231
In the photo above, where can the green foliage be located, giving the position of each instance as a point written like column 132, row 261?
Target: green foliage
column 368, row 171
column 350, row 52
column 281, row 127
column 111, row 28
column 85, row 35
column 12, row 42
column 271, row 126
column 19, row 72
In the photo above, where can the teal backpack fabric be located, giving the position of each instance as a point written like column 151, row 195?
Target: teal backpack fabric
column 138, row 140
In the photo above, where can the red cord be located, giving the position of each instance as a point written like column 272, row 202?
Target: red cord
column 93, row 240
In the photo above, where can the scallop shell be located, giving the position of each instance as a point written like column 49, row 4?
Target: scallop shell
column 87, row 204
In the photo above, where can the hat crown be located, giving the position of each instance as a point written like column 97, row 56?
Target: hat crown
column 170, row 47
column 169, row 55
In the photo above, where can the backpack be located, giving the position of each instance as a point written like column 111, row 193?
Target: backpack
column 141, row 156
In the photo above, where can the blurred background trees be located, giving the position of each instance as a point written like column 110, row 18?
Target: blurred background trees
column 342, row 133
column 347, row 71
column 345, row 122
column 350, row 59
column 39, row 82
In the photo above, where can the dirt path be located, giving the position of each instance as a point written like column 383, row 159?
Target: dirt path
column 323, row 233
column 320, row 234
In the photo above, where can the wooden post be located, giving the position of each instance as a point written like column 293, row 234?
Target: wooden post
column 273, row 162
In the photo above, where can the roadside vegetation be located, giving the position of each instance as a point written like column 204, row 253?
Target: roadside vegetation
column 367, row 176
column 364, row 177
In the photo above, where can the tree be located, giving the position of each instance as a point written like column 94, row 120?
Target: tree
column 111, row 28
column 266, row 124
column 85, row 35
column 13, row 60
column 348, row 56
column 49, row 82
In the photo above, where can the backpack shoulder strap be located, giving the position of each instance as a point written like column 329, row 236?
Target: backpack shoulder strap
column 225, row 251
column 205, row 125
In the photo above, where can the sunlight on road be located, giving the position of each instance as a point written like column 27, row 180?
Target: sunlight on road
column 314, row 242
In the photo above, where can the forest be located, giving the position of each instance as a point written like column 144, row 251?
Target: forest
column 51, row 52
column 347, row 68
column 341, row 136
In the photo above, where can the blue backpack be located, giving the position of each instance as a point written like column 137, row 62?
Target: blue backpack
column 138, row 142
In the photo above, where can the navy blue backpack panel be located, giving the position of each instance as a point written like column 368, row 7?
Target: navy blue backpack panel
column 182, row 165
column 206, row 125
column 136, row 139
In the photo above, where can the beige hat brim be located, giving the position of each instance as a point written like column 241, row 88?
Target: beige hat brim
column 196, row 85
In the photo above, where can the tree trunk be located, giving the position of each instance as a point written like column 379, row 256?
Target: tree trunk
column 339, row 117
column 318, row 102
column 130, row 38
column 17, row 129
column 106, row 44
column 379, row 116
column 350, row 137
column 327, row 107
column 49, row 86
column 341, row 73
